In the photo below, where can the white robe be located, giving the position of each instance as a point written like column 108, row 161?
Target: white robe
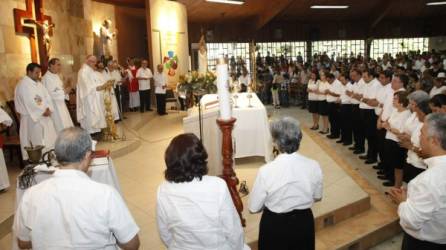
column 31, row 101
column 4, row 179
column 202, row 62
column 106, row 77
column 61, row 117
column 89, row 101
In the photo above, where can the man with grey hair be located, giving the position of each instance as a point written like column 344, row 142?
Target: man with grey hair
column 89, row 99
column 286, row 189
column 422, row 208
column 71, row 211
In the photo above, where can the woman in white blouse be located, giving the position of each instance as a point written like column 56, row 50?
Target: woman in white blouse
column 396, row 155
column 415, row 164
column 194, row 210
column 286, row 189
column 312, row 89
column 322, row 92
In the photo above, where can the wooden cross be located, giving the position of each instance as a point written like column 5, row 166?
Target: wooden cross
column 24, row 23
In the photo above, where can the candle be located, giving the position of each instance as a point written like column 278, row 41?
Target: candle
column 223, row 90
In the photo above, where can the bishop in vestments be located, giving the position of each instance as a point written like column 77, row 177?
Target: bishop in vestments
column 90, row 112
column 61, row 117
column 35, row 107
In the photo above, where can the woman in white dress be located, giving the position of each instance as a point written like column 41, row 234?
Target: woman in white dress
column 313, row 98
column 322, row 92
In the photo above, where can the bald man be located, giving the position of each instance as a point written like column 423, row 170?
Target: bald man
column 160, row 90
column 90, row 104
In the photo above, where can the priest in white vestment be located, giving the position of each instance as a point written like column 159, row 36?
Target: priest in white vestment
column 35, row 107
column 107, row 74
column 5, row 120
column 90, row 111
column 52, row 82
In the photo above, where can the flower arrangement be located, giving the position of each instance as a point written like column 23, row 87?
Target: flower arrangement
column 196, row 83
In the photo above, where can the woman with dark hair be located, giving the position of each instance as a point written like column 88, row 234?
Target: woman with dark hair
column 395, row 155
column 415, row 164
column 312, row 89
column 194, row 210
column 286, row 189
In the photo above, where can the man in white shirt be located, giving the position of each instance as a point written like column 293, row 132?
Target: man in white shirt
column 160, row 90
column 143, row 75
column 358, row 127
column 52, row 82
column 5, row 121
column 385, row 77
column 244, row 80
column 35, row 107
column 90, row 111
column 422, row 207
column 439, row 85
column 345, row 111
column 368, row 115
column 333, row 95
column 71, row 211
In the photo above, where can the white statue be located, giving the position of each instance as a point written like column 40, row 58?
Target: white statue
column 107, row 37
column 202, row 56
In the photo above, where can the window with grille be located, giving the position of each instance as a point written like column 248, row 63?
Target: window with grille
column 290, row 50
column 236, row 50
column 338, row 48
column 393, row 46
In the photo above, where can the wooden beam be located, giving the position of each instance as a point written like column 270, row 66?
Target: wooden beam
column 271, row 10
column 125, row 3
column 383, row 9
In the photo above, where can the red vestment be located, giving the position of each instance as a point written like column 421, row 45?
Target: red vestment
column 133, row 85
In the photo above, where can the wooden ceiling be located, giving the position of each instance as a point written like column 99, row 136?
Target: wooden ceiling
column 261, row 12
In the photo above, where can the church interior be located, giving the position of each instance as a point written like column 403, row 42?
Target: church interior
column 333, row 108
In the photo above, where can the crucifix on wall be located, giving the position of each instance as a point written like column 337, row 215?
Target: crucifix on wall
column 39, row 30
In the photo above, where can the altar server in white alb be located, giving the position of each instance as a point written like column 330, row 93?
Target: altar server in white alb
column 52, row 82
column 35, row 107
column 90, row 112
column 5, row 120
column 103, row 75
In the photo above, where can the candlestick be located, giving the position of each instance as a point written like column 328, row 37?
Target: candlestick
column 223, row 90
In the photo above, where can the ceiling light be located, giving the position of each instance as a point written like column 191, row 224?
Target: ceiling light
column 238, row 2
column 329, row 6
column 436, row 3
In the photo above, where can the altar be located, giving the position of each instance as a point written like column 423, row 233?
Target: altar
column 251, row 135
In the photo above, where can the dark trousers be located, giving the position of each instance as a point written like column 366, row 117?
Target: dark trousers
column 287, row 231
column 346, row 123
column 410, row 172
column 380, row 139
column 124, row 93
column 411, row 243
column 182, row 103
column 144, row 100
column 161, row 103
column 284, row 98
column 358, row 127
column 369, row 117
column 333, row 117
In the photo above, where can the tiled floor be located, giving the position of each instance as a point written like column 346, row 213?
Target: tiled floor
column 140, row 170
